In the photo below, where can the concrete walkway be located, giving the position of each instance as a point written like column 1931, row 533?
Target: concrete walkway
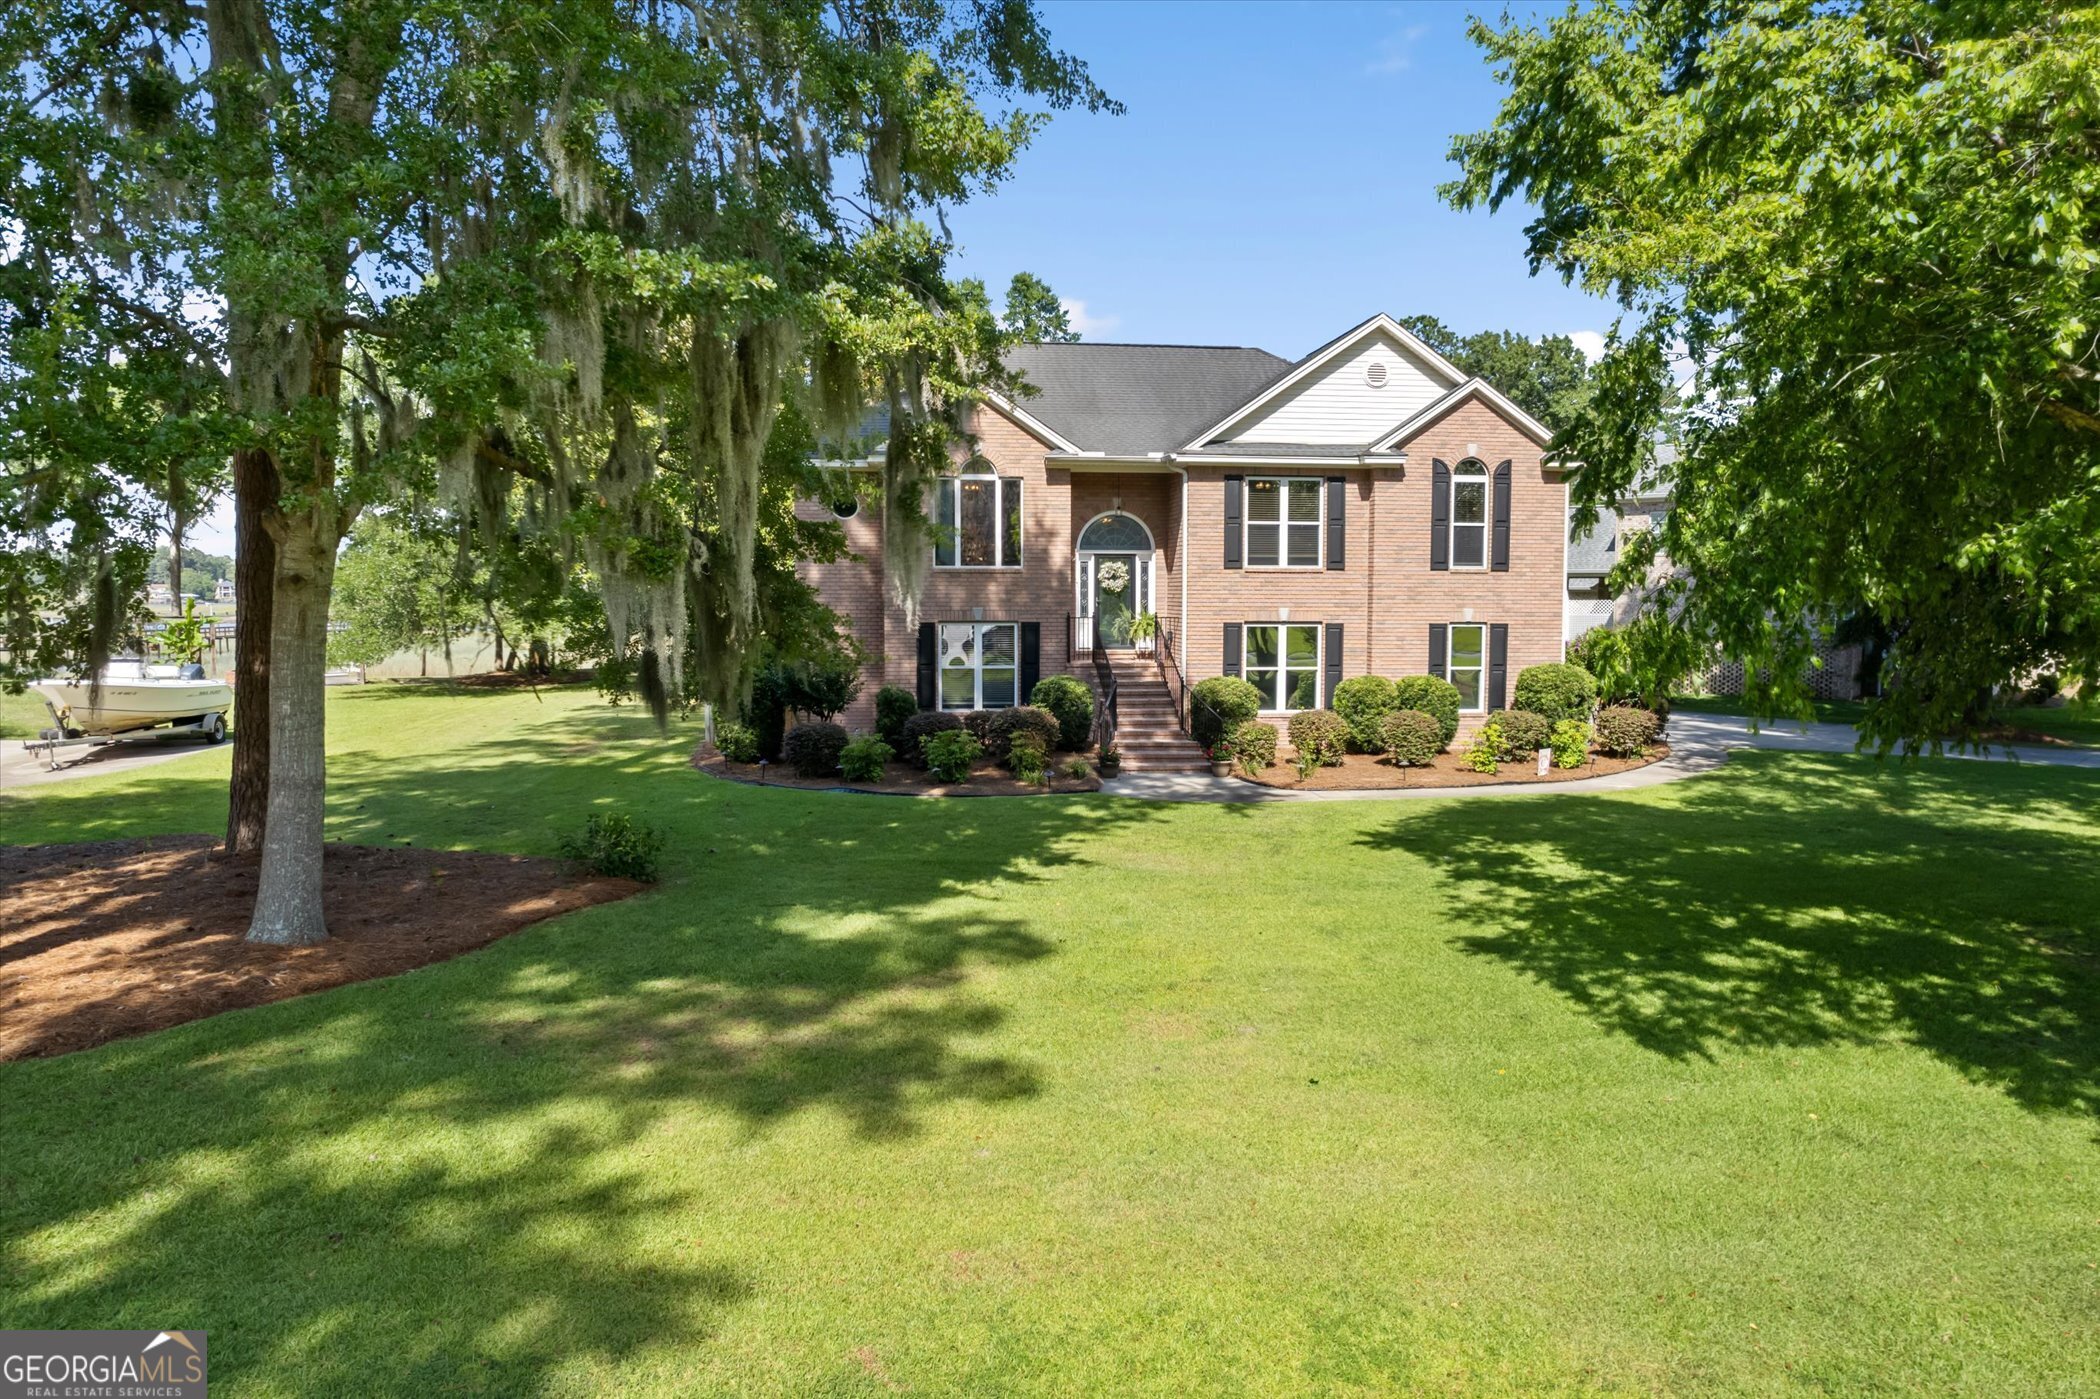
column 1698, row 743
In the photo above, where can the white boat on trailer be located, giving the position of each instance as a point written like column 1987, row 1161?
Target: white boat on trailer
column 131, row 699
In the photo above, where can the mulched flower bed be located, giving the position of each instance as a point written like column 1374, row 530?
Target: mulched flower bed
column 1366, row 772
column 112, row 938
column 901, row 779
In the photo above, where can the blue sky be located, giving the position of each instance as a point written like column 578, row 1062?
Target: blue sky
column 1272, row 183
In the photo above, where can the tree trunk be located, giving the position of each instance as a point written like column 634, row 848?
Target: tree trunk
column 255, row 489
column 288, row 890
column 175, row 557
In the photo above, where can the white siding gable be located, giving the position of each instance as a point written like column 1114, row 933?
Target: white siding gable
column 1337, row 404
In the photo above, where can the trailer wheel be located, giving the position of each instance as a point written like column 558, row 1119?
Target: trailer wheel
column 215, row 728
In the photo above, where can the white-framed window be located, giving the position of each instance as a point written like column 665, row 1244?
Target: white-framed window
column 1469, row 515
column 980, row 665
column 1467, row 667
column 1283, row 662
column 1283, row 520
column 977, row 522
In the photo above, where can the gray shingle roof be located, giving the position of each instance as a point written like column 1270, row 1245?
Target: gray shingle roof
column 1133, row 399
column 1592, row 555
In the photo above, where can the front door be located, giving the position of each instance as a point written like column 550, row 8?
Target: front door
column 1115, row 599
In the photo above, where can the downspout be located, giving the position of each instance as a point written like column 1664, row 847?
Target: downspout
column 1181, row 559
column 1181, row 567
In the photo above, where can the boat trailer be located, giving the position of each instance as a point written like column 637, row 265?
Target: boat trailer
column 209, row 727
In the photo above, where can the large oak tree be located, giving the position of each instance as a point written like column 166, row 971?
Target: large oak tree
column 589, row 246
column 1872, row 228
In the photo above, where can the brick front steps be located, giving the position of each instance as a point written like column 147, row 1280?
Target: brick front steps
column 1148, row 732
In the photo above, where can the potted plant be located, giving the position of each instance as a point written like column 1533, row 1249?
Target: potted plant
column 1222, row 757
column 1143, row 628
column 1111, row 761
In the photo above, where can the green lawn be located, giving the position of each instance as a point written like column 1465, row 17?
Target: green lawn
column 23, row 715
column 1783, row 1080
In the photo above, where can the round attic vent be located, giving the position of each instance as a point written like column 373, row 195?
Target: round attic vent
column 1374, row 375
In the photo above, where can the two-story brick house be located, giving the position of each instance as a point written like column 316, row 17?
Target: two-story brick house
column 1367, row 509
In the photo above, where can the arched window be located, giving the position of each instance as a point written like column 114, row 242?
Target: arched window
column 1469, row 515
column 1123, row 533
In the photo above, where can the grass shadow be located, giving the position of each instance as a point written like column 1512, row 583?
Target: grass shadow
column 499, row 1101
column 1852, row 903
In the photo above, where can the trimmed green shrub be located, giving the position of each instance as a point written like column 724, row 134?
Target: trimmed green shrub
column 864, row 759
column 1436, row 698
column 737, row 742
column 813, row 749
column 614, row 843
column 1219, row 705
column 1411, row 738
column 979, row 723
column 1571, row 743
column 1028, row 756
column 893, row 706
column 1072, row 703
column 952, row 753
column 911, row 743
column 1320, row 734
column 1558, row 690
column 1254, row 744
column 1523, row 732
column 1485, row 751
column 1007, row 724
column 1363, row 701
column 820, row 688
column 1625, row 732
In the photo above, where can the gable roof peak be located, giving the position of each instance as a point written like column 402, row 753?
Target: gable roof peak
column 1303, row 369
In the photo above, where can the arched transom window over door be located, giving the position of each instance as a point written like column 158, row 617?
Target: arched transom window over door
column 1123, row 533
column 1114, row 575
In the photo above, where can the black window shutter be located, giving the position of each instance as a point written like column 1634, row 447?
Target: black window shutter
column 927, row 698
column 1333, row 658
column 1438, row 635
column 1031, row 660
column 1498, row 666
column 1232, row 649
column 1235, row 487
column 1501, row 556
column 1010, row 509
column 1439, row 517
column 1337, row 519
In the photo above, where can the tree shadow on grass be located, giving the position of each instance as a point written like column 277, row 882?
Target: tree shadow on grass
column 431, row 1182
column 1804, row 901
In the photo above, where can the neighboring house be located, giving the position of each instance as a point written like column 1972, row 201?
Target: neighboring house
column 223, row 590
column 159, row 595
column 1367, row 509
column 1593, row 555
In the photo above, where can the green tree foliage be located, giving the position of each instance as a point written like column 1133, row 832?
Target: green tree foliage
column 580, row 253
column 1034, row 312
column 398, row 588
column 1871, row 229
column 199, row 569
column 1548, row 378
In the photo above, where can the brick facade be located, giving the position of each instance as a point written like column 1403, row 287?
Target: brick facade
column 1385, row 598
